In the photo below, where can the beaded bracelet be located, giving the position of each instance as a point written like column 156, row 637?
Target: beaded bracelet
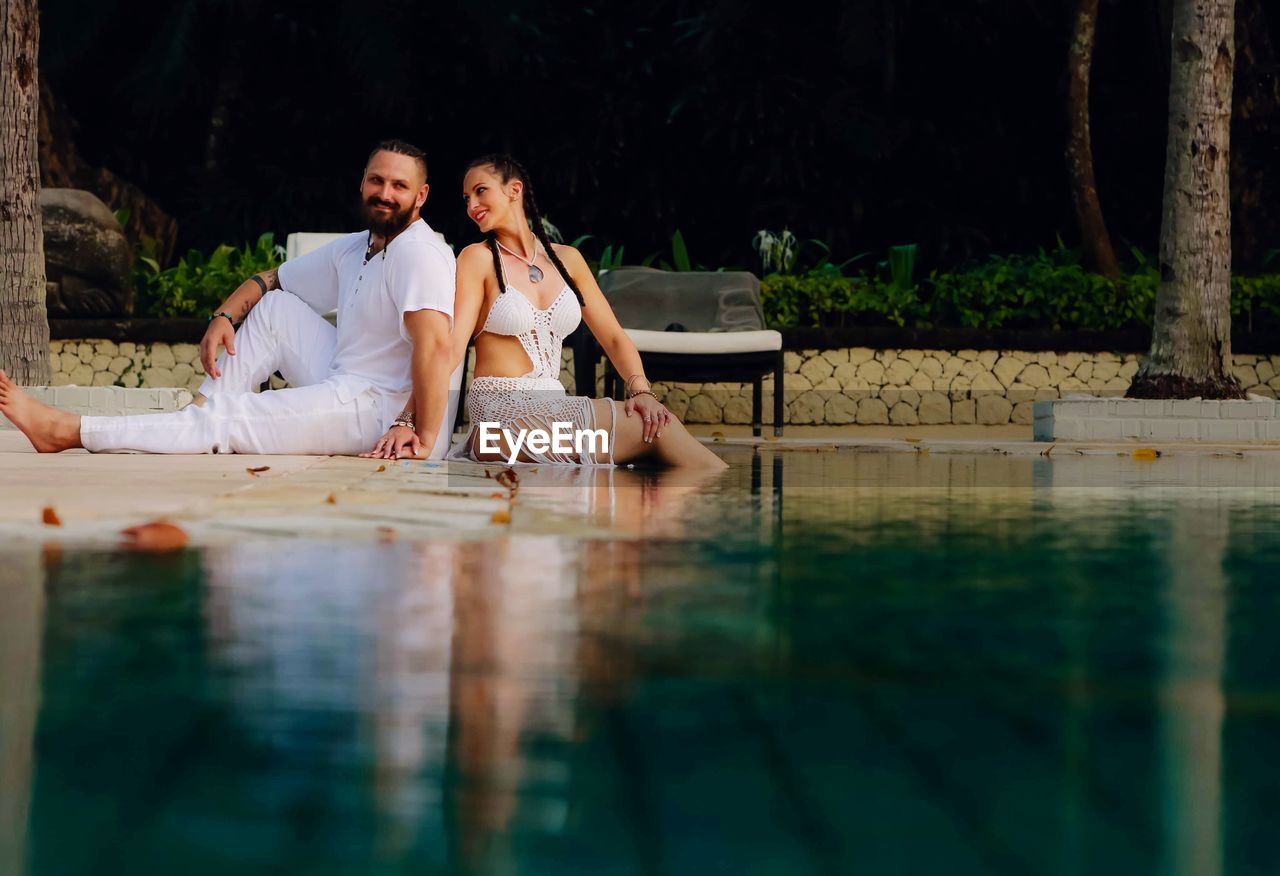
column 647, row 392
column 405, row 419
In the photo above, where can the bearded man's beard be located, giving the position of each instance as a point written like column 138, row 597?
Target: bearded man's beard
column 384, row 224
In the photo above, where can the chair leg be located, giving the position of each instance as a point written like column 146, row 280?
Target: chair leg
column 757, row 403
column 777, row 396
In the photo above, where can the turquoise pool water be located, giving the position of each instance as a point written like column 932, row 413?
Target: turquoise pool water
column 825, row 662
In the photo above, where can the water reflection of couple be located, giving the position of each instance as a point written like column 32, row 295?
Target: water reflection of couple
column 402, row 333
column 466, row 668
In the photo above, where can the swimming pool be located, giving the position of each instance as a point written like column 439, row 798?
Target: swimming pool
column 825, row 661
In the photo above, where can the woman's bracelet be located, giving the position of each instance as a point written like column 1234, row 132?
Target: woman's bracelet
column 405, row 419
column 648, row 392
column 627, row 386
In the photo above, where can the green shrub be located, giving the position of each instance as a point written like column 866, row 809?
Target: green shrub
column 824, row 297
column 1047, row 290
column 197, row 284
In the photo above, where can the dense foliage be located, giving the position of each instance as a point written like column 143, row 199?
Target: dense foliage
column 860, row 124
column 1047, row 290
column 197, row 284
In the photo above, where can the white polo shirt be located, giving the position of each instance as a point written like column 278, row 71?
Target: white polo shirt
column 414, row 272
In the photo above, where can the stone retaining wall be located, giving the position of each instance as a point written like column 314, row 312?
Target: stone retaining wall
column 839, row 386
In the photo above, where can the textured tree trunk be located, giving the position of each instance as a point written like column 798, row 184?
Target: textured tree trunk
column 1255, row 139
column 24, row 328
column 1191, row 339
column 1099, row 255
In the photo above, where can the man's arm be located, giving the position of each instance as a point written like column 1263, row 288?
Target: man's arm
column 249, row 293
column 221, row 330
column 432, row 366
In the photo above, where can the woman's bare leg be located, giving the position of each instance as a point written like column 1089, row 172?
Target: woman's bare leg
column 48, row 429
column 675, row 448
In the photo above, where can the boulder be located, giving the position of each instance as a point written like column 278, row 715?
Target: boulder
column 86, row 257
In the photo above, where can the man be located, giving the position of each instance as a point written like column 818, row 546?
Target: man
column 393, row 289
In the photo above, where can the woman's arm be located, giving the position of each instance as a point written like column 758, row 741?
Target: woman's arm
column 600, row 318
column 475, row 265
column 620, row 349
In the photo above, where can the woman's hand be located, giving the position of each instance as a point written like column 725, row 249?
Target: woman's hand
column 399, row 442
column 655, row 415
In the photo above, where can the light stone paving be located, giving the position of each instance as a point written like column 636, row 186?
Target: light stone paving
column 216, row 499
column 854, row 385
column 1256, row 420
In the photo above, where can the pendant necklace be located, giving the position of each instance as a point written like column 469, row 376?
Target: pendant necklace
column 535, row 272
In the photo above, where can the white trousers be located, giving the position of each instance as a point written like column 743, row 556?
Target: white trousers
column 282, row 333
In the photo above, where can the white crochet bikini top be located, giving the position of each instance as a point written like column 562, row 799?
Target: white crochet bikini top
column 540, row 332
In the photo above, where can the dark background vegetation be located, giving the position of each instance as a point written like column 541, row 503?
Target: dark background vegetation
column 864, row 124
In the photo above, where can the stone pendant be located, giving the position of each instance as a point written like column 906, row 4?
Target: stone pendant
column 535, row 274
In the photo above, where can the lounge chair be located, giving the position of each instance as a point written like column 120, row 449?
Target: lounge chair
column 689, row 327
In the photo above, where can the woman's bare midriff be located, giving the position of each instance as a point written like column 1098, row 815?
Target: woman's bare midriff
column 500, row 356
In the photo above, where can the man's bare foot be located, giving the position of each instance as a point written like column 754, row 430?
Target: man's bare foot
column 48, row 429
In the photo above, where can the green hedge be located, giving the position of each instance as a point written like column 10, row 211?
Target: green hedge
column 197, row 284
column 1048, row 290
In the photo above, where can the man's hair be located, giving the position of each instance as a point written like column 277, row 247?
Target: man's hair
column 400, row 147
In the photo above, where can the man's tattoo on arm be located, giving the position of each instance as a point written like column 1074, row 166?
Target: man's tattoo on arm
column 271, row 278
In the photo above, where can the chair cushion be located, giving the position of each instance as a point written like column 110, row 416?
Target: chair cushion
column 697, row 343
column 299, row 243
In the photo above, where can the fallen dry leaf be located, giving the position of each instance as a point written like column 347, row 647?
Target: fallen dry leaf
column 1146, row 453
column 509, row 479
column 50, row 517
column 155, row 536
column 382, row 468
column 256, row 471
column 500, row 517
column 331, row 500
column 497, row 495
column 386, row 534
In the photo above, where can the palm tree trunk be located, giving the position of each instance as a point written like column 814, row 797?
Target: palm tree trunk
column 1099, row 255
column 1191, row 339
column 24, row 327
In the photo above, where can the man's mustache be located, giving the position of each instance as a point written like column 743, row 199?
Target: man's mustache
column 374, row 202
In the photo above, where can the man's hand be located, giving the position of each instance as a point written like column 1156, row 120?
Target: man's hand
column 219, row 333
column 400, row 442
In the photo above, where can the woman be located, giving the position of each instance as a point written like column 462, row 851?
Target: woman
column 518, row 324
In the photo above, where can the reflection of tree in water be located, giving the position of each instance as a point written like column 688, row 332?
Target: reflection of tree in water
column 21, row 628
column 1191, row 700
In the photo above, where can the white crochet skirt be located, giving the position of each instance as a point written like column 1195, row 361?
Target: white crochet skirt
column 529, row 403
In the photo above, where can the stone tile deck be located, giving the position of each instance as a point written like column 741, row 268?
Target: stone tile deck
column 217, row 500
